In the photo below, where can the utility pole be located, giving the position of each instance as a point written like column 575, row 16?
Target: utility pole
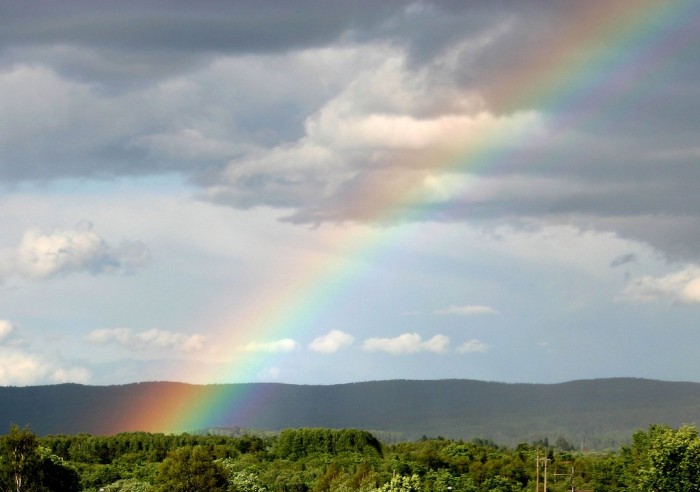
column 539, row 460
column 570, row 474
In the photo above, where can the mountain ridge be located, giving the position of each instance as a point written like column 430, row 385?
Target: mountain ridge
column 597, row 413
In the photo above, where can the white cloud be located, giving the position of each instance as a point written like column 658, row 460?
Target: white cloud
column 331, row 342
column 17, row 368
column 471, row 346
column 407, row 343
column 9, row 334
column 153, row 338
column 681, row 287
column 64, row 251
column 466, row 310
column 274, row 347
column 6, row 328
column 21, row 368
column 438, row 344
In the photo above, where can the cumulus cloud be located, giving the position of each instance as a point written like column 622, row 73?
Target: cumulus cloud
column 274, row 347
column 467, row 310
column 369, row 145
column 679, row 287
column 42, row 255
column 331, row 342
column 407, row 343
column 437, row 344
column 471, row 346
column 153, row 338
column 18, row 367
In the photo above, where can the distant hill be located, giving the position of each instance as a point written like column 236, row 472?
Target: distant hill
column 600, row 413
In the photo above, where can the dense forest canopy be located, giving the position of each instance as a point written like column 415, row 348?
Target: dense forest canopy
column 328, row 460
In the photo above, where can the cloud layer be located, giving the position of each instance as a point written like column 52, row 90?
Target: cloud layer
column 406, row 108
column 148, row 339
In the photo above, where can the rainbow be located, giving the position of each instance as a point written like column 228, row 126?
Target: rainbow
column 593, row 65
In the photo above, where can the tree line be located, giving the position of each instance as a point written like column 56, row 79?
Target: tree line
column 327, row 460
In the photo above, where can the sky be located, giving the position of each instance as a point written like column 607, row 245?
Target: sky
column 317, row 192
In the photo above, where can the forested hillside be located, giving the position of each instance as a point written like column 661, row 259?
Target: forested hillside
column 327, row 460
column 594, row 413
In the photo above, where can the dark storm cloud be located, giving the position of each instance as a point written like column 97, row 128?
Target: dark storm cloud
column 137, row 39
column 227, row 95
column 148, row 39
column 122, row 45
column 237, row 26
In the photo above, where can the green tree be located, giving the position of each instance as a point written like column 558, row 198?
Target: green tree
column 497, row 484
column 56, row 474
column 19, row 468
column 128, row 485
column 663, row 459
column 244, row 481
column 606, row 473
column 402, row 483
column 191, row 469
column 297, row 443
